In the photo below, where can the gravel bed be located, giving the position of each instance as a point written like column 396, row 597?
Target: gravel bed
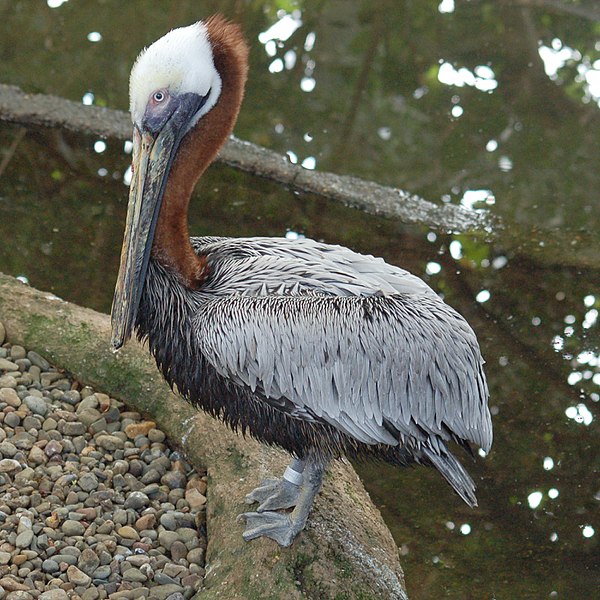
column 93, row 502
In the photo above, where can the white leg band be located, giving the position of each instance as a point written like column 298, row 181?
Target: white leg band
column 293, row 476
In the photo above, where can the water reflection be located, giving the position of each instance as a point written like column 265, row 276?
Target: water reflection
column 523, row 150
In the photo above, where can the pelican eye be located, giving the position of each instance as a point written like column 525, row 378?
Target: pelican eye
column 159, row 96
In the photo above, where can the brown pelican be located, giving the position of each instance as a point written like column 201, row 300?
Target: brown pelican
column 308, row 346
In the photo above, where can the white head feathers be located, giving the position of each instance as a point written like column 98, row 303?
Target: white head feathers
column 180, row 61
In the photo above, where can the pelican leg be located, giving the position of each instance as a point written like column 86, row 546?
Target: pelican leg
column 284, row 527
column 275, row 494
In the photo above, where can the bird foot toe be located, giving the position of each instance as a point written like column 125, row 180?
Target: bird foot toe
column 276, row 526
column 274, row 494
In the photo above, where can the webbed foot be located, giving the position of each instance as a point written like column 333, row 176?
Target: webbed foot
column 279, row 527
column 284, row 527
column 274, row 494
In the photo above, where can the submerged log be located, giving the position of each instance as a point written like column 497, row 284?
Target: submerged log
column 577, row 249
column 25, row 109
column 346, row 550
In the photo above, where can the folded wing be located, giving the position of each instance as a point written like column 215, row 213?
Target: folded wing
column 392, row 369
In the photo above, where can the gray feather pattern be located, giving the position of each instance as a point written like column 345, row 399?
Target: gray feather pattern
column 346, row 338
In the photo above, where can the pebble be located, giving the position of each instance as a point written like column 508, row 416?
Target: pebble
column 93, row 502
column 7, row 365
column 24, row 539
column 128, row 532
column 137, row 500
column 135, row 429
column 88, row 482
column 134, row 574
column 37, row 405
column 110, row 442
column 78, row 577
column 162, row 592
column 37, row 360
column 9, row 395
column 17, row 352
column 54, row 594
column 70, row 527
column 50, row 566
column 88, row 561
column 8, row 465
column 195, row 499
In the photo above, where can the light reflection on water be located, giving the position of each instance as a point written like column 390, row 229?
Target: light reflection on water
column 537, row 320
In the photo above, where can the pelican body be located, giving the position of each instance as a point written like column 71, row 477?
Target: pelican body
column 311, row 347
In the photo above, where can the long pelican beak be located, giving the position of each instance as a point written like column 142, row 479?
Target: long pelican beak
column 153, row 155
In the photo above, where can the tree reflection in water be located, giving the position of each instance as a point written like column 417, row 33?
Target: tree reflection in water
column 490, row 104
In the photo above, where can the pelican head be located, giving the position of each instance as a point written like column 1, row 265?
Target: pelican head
column 177, row 65
column 174, row 84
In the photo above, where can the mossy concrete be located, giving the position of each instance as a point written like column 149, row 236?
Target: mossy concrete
column 346, row 551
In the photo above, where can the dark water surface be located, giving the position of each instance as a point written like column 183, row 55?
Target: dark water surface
column 490, row 104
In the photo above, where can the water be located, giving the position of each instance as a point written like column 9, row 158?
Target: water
column 455, row 106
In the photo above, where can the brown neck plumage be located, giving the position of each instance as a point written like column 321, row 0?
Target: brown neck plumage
column 198, row 149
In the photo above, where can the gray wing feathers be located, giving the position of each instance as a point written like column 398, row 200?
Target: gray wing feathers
column 261, row 266
column 358, row 363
